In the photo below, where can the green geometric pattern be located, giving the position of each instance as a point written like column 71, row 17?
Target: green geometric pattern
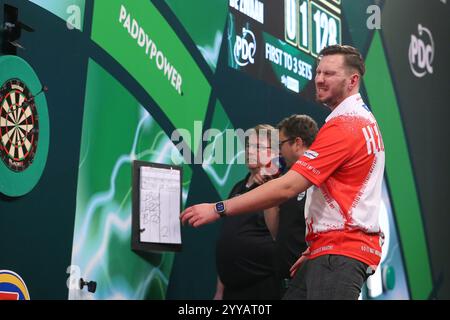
column 155, row 57
column 116, row 131
column 223, row 171
column 399, row 171
column 210, row 13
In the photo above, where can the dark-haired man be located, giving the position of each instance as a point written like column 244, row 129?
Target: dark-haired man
column 296, row 134
column 345, row 167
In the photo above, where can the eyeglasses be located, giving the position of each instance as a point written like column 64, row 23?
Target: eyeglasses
column 257, row 146
column 286, row 140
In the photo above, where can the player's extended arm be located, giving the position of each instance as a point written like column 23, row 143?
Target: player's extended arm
column 265, row 196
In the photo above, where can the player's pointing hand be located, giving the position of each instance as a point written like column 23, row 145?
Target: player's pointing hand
column 199, row 215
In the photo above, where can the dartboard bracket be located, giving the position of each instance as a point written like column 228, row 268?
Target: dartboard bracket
column 12, row 30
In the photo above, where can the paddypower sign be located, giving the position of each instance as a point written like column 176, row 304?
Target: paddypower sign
column 140, row 39
column 156, row 56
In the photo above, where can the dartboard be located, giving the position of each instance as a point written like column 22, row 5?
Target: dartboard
column 19, row 125
column 24, row 127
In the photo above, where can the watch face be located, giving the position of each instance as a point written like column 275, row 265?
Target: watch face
column 220, row 207
column 19, row 125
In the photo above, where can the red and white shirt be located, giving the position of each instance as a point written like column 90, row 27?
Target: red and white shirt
column 346, row 166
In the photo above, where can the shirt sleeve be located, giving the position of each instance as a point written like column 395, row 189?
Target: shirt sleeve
column 328, row 152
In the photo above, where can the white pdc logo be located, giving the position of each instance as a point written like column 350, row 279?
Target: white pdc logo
column 245, row 48
column 421, row 52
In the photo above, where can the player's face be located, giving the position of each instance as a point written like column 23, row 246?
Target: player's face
column 331, row 80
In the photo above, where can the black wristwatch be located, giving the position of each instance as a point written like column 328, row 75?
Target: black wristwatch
column 220, row 209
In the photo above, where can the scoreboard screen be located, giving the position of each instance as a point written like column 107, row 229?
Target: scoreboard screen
column 279, row 43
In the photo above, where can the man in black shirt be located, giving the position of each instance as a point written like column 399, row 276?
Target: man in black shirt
column 297, row 133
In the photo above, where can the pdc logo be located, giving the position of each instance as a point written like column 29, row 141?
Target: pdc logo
column 245, row 48
column 421, row 52
column 12, row 287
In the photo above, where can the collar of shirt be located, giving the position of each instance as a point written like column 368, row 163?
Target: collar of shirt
column 346, row 106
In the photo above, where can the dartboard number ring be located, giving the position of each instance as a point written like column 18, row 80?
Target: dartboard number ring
column 19, row 125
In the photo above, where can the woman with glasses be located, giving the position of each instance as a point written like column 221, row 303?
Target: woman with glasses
column 245, row 251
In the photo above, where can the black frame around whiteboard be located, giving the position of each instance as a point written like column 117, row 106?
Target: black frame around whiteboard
column 136, row 243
